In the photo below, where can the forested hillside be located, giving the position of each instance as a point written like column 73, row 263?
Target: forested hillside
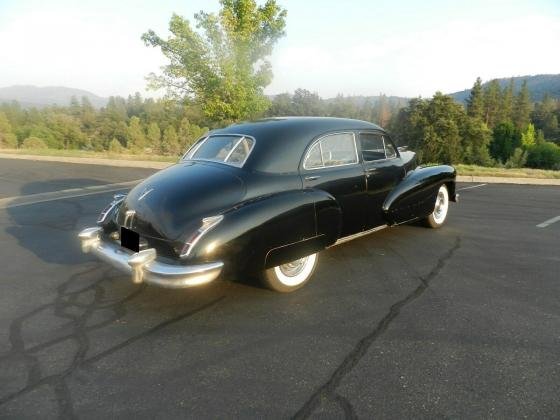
column 496, row 127
column 539, row 86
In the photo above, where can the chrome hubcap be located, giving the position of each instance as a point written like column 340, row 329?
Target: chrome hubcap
column 293, row 268
column 442, row 203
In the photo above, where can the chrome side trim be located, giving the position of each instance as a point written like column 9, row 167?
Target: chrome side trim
column 358, row 235
column 144, row 266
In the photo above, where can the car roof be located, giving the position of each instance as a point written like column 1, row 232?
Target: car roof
column 281, row 142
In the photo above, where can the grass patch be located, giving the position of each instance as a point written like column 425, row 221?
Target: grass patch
column 473, row 170
column 90, row 154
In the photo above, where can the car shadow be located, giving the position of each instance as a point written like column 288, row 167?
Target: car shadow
column 48, row 229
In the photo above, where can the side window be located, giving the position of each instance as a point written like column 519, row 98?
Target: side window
column 332, row 150
column 389, row 148
column 372, row 146
column 314, row 159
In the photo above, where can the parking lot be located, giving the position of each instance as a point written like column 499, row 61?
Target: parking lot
column 462, row 321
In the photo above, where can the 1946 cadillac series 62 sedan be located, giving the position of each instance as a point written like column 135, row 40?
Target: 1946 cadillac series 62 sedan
column 264, row 198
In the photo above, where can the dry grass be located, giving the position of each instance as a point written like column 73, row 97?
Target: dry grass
column 474, row 170
column 89, row 154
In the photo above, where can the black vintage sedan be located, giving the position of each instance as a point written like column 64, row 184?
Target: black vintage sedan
column 264, row 198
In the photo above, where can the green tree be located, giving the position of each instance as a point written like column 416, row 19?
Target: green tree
column 136, row 138
column 188, row 134
column 115, row 146
column 505, row 139
column 154, row 136
column 475, row 101
column 281, row 105
column 305, row 102
column 170, row 141
column 522, row 108
column 225, row 68
column 506, row 109
column 7, row 136
column 528, row 137
column 475, row 139
column 492, row 102
column 432, row 127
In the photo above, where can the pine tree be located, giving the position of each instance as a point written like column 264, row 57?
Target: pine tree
column 475, row 102
column 506, row 112
column 492, row 93
column 522, row 108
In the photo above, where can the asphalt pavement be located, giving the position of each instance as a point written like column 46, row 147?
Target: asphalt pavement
column 457, row 322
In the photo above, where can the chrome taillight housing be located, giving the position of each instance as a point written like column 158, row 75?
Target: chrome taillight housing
column 117, row 199
column 208, row 223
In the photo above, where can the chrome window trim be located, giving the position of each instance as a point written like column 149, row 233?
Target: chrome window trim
column 235, row 147
column 194, row 147
column 384, row 150
column 318, row 140
column 201, row 142
column 385, row 147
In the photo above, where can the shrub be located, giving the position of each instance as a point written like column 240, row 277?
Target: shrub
column 115, row 146
column 34, row 143
column 518, row 159
column 544, row 156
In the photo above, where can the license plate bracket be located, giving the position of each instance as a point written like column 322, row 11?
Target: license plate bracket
column 130, row 239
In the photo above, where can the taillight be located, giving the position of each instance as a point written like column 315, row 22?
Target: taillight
column 117, row 199
column 207, row 224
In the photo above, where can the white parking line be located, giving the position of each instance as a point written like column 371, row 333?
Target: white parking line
column 25, row 200
column 472, row 186
column 549, row 222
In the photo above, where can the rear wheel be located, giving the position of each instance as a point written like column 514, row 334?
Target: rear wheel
column 439, row 215
column 291, row 276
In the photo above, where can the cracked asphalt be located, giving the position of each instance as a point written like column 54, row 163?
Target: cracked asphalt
column 459, row 322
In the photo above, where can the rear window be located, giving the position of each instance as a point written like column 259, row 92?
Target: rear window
column 232, row 150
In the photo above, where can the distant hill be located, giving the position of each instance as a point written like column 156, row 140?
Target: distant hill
column 34, row 96
column 538, row 85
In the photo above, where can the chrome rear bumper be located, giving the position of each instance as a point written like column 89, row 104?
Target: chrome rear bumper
column 143, row 265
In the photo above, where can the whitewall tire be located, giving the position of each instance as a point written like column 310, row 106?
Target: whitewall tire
column 441, row 208
column 290, row 276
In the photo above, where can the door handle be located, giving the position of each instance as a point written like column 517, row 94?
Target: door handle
column 371, row 170
column 312, row 177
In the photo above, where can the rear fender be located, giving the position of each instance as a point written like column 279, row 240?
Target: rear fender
column 414, row 197
column 272, row 230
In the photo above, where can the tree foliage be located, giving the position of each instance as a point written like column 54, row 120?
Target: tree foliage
column 223, row 66
column 135, row 123
column 7, row 136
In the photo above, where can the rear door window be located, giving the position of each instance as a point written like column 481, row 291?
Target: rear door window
column 332, row 150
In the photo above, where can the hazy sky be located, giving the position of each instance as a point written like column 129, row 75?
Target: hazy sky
column 398, row 47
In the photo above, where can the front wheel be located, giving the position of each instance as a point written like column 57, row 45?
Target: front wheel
column 439, row 215
column 291, row 276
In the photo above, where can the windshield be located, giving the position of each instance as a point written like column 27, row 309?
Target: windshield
column 231, row 149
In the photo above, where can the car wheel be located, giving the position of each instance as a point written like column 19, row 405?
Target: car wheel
column 439, row 215
column 291, row 276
